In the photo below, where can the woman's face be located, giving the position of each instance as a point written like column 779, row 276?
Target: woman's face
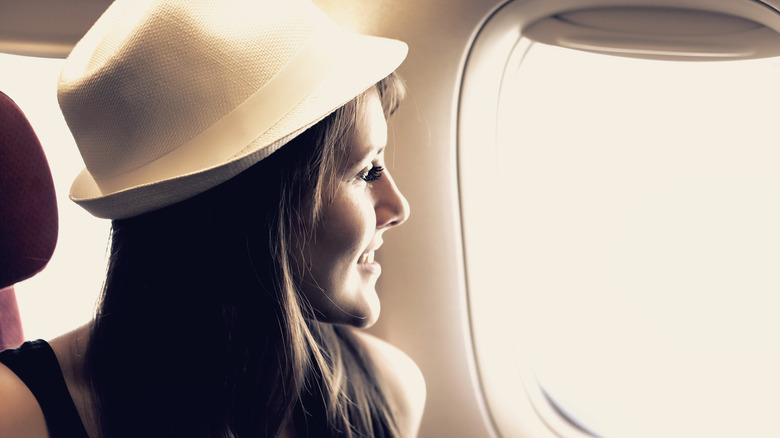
column 341, row 280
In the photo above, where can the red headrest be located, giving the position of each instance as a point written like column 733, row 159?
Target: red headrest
column 28, row 206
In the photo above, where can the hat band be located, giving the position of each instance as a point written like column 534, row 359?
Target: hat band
column 227, row 137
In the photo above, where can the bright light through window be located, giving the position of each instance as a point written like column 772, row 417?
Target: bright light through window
column 63, row 295
column 642, row 209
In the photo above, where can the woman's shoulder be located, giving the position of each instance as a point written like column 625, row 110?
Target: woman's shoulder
column 38, row 362
column 20, row 414
column 403, row 377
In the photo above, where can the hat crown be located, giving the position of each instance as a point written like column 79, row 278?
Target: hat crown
column 151, row 75
column 168, row 98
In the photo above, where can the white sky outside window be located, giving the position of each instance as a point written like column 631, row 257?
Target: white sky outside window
column 63, row 295
column 642, row 203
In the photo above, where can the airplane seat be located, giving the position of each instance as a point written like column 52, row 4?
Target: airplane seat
column 28, row 214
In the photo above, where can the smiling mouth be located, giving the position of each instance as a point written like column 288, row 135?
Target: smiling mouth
column 366, row 258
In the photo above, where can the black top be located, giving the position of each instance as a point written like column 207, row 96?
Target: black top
column 37, row 366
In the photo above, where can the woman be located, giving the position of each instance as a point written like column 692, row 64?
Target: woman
column 238, row 148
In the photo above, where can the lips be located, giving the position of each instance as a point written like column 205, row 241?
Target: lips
column 366, row 258
column 367, row 265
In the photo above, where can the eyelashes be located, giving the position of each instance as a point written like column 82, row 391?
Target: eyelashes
column 373, row 174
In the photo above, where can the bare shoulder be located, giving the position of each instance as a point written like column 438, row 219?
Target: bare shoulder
column 404, row 379
column 20, row 414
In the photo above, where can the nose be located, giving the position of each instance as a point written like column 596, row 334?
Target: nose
column 392, row 208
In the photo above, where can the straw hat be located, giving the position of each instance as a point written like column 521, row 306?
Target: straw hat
column 168, row 98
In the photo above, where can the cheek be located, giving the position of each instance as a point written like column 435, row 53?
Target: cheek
column 332, row 284
column 347, row 228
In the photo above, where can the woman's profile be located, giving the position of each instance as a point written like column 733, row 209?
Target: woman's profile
column 238, row 148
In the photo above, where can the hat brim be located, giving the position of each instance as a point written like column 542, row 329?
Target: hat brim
column 365, row 62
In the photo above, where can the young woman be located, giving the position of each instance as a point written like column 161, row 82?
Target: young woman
column 239, row 149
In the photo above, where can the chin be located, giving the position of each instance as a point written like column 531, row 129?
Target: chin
column 366, row 322
column 352, row 320
column 360, row 315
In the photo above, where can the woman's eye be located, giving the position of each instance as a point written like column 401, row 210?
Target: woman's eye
column 372, row 174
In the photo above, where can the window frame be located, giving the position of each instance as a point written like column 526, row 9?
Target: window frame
column 525, row 410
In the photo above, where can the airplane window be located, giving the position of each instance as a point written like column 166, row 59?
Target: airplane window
column 63, row 295
column 638, row 204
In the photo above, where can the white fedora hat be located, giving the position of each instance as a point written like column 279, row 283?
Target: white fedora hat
column 168, row 98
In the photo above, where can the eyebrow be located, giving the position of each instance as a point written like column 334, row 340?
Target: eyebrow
column 353, row 163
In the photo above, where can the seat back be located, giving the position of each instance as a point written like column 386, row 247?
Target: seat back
column 28, row 213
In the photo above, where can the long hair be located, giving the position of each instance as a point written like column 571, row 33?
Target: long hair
column 201, row 330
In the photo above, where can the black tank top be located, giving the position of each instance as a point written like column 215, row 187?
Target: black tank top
column 37, row 366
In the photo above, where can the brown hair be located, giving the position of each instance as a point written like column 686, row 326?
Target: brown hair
column 201, row 330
